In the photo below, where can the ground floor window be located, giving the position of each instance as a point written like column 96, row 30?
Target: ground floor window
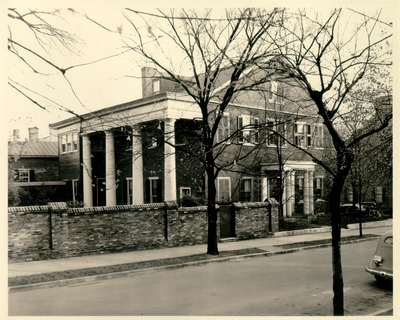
column 26, row 175
column 318, row 192
column 153, row 190
column 74, row 190
column 246, row 189
column 184, row 192
column 129, row 190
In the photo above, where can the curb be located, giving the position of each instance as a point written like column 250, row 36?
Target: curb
column 82, row 280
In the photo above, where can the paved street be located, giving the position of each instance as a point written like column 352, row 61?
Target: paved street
column 294, row 284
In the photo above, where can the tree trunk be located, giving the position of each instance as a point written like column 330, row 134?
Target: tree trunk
column 343, row 167
column 212, row 239
column 338, row 294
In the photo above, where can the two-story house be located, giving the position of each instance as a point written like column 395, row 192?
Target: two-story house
column 33, row 169
column 134, row 153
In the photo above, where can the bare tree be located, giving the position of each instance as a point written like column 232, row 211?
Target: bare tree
column 218, row 53
column 330, row 61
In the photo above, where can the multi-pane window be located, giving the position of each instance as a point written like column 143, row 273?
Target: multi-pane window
column 154, row 193
column 74, row 190
column 318, row 135
column 275, row 92
column 272, row 89
column 302, row 134
column 280, row 95
column 299, row 134
column 246, row 188
column 248, row 129
column 307, row 135
column 275, row 133
column 318, row 187
column 223, row 189
column 184, row 191
column 223, row 131
column 69, row 142
column 23, row 175
column 299, row 188
column 129, row 190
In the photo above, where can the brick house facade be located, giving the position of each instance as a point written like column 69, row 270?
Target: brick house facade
column 124, row 154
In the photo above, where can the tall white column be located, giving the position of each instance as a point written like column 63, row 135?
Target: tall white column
column 169, row 160
column 292, row 191
column 264, row 188
column 111, row 197
column 311, row 192
column 306, row 196
column 289, row 194
column 284, row 198
column 137, row 166
column 87, row 171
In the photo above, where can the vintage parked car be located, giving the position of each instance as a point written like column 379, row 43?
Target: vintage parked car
column 349, row 208
column 371, row 209
column 381, row 265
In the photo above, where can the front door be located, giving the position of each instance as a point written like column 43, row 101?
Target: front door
column 100, row 191
column 227, row 225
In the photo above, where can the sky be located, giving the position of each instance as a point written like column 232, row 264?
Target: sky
column 95, row 86
column 101, row 84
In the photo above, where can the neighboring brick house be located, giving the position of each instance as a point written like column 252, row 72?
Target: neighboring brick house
column 117, row 155
column 33, row 168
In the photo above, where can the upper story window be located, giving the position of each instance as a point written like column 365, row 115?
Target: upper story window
column 302, row 134
column 224, row 129
column 275, row 92
column 307, row 135
column 156, row 86
column 69, row 142
column 276, row 133
column 318, row 135
column 248, row 129
column 272, row 89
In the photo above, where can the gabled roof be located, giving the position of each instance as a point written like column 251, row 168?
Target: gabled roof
column 33, row 149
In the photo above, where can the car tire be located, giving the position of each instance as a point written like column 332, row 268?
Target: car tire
column 379, row 278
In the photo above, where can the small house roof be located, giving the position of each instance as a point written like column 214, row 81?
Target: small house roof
column 33, row 149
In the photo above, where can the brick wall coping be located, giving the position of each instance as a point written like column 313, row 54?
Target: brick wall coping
column 192, row 209
column 92, row 210
column 29, row 209
column 254, row 204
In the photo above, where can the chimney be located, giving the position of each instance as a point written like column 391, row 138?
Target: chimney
column 33, row 134
column 16, row 135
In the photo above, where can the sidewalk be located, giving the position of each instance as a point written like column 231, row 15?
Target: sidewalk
column 267, row 244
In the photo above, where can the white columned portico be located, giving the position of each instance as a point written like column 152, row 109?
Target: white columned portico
column 111, row 198
column 137, row 166
column 289, row 193
column 87, row 171
column 169, row 160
